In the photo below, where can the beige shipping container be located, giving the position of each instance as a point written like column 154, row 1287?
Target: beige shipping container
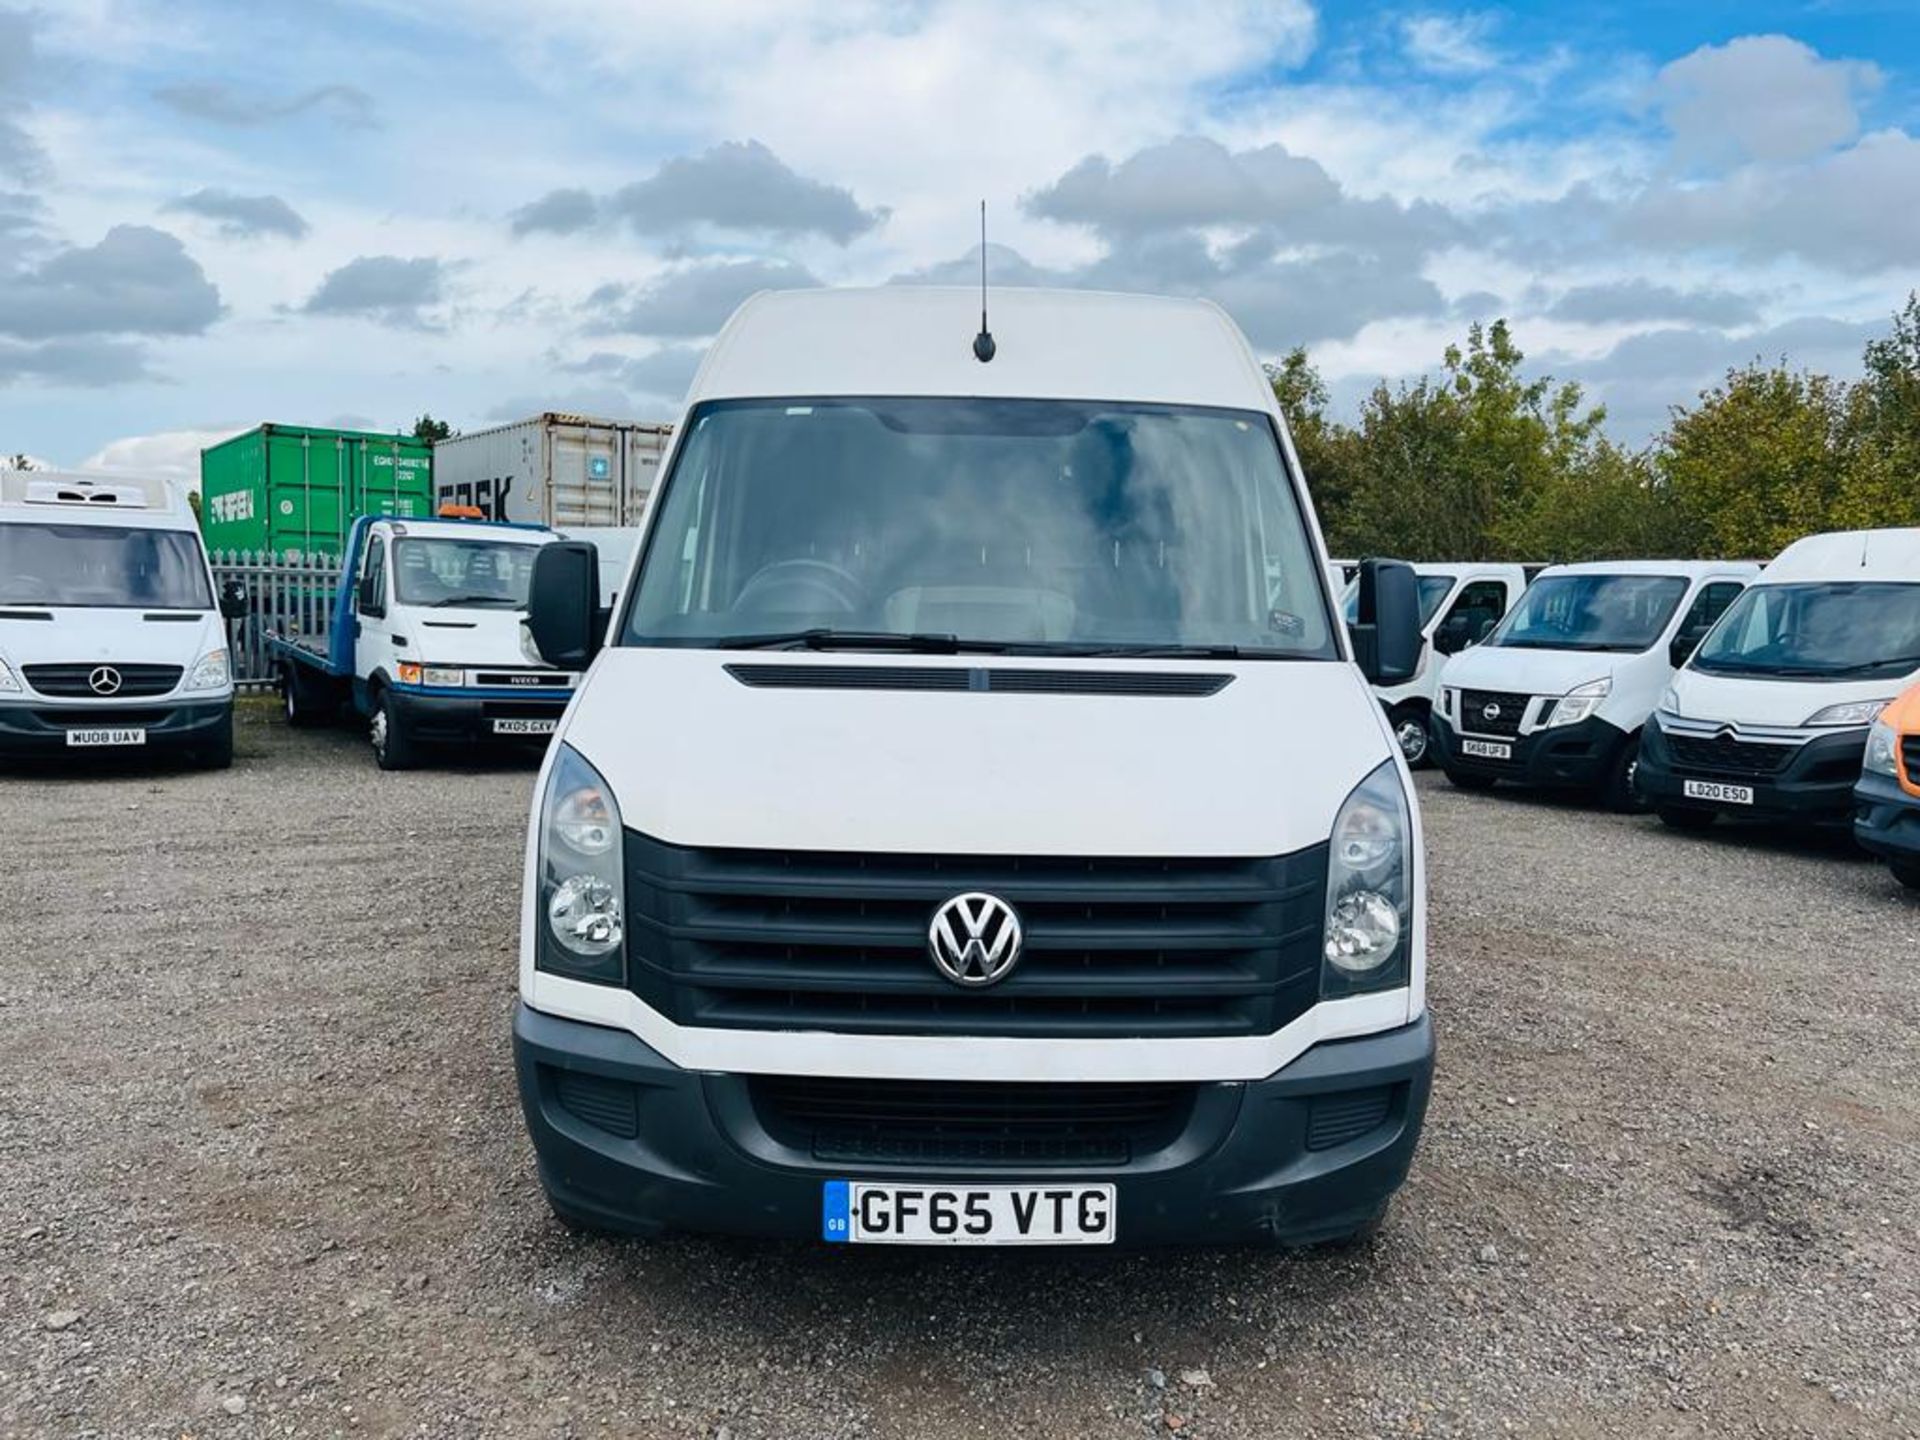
column 565, row 471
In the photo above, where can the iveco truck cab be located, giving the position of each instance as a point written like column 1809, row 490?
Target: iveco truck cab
column 977, row 828
column 426, row 640
column 1459, row 606
column 1557, row 695
column 1769, row 718
column 111, row 638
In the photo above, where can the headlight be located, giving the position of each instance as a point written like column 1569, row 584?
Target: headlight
column 1882, row 750
column 8, row 683
column 581, row 915
column 1369, row 890
column 1580, row 702
column 1856, row 712
column 415, row 674
column 1670, row 702
column 209, row 672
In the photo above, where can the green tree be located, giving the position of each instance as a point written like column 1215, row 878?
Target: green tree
column 1762, row 459
column 1327, row 450
column 19, row 461
column 432, row 431
column 1882, row 485
column 193, row 504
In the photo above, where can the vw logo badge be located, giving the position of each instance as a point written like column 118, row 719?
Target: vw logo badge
column 975, row 939
column 1491, row 712
column 104, row 680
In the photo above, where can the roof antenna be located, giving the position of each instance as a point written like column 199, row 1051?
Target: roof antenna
column 983, row 346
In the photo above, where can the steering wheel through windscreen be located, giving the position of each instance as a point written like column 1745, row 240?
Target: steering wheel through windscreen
column 801, row 587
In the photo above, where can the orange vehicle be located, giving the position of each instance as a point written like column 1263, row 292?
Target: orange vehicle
column 1886, row 811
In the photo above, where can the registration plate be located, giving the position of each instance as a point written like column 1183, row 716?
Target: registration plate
column 858, row 1213
column 105, row 735
column 1487, row 749
column 525, row 727
column 1713, row 790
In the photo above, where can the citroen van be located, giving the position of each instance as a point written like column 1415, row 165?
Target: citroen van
column 1769, row 718
column 112, row 639
column 975, row 826
column 1558, row 694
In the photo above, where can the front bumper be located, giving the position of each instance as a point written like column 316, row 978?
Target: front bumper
column 695, row 1154
column 1815, row 786
column 1563, row 757
column 1886, row 819
column 451, row 716
column 39, row 727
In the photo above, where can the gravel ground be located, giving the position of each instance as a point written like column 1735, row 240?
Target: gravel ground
column 262, row 1171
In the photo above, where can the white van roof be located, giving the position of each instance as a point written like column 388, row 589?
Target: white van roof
column 918, row 340
column 74, row 497
column 1848, row 555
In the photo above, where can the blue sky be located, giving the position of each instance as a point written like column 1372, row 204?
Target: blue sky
column 350, row 211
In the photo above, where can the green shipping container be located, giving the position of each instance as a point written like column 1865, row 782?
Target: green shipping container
column 295, row 490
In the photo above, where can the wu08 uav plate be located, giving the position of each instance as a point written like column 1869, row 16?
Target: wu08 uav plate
column 857, row 1213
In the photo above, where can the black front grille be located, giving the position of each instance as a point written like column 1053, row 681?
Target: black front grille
column 970, row 1122
column 114, row 718
column 74, row 680
column 1335, row 1119
column 520, row 680
column 1724, row 755
column 605, row 1104
column 1910, row 756
column 995, row 680
column 528, row 709
column 794, row 940
column 1507, row 710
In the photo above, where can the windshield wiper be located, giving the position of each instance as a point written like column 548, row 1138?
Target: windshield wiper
column 1143, row 651
column 823, row 637
column 474, row 600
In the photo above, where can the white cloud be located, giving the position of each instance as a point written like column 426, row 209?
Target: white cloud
column 172, row 453
column 1761, row 97
column 1449, row 44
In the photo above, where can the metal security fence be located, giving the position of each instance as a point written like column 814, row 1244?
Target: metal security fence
column 284, row 596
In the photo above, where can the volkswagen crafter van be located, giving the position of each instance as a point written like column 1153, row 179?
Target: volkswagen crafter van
column 1769, row 718
column 977, row 827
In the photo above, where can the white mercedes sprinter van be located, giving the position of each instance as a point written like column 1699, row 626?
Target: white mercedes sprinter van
column 977, row 828
column 1558, row 693
column 110, row 637
column 1769, row 719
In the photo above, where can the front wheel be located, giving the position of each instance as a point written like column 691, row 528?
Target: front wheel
column 1907, row 872
column 297, row 700
column 1618, row 789
column 393, row 747
column 1412, row 733
column 217, row 752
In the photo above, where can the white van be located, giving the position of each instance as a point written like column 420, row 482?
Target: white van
column 977, row 828
column 110, row 635
column 1769, row 719
column 1459, row 606
column 1557, row 695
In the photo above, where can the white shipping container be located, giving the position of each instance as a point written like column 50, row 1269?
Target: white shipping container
column 554, row 469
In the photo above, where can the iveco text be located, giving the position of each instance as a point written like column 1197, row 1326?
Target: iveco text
column 977, row 827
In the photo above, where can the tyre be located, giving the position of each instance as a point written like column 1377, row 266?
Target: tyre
column 1468, row 780
column 216, row 752
column 1907, row 872
column 1413, row 733
column 1678, row 817
column 300, row 706
column 1617, row 789
column 393, row 747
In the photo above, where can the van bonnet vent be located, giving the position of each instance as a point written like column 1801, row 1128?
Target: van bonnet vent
column 1006, row 681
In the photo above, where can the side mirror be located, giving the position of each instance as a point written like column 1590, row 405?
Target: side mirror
column 563, row 604
column 233, row 600
column 1386, row 636
column 1452, row 637
column 1681, row 648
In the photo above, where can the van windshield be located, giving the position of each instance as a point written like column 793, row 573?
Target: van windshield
column 462, row 572
column 1820, row 630
column 1624, row 613
column 112, row 566
column 1017, row 526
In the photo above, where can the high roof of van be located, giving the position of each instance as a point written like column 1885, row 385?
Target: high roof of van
column 1690, row 569
column 918, row 340
column 1849, row 555
column 72, row 497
